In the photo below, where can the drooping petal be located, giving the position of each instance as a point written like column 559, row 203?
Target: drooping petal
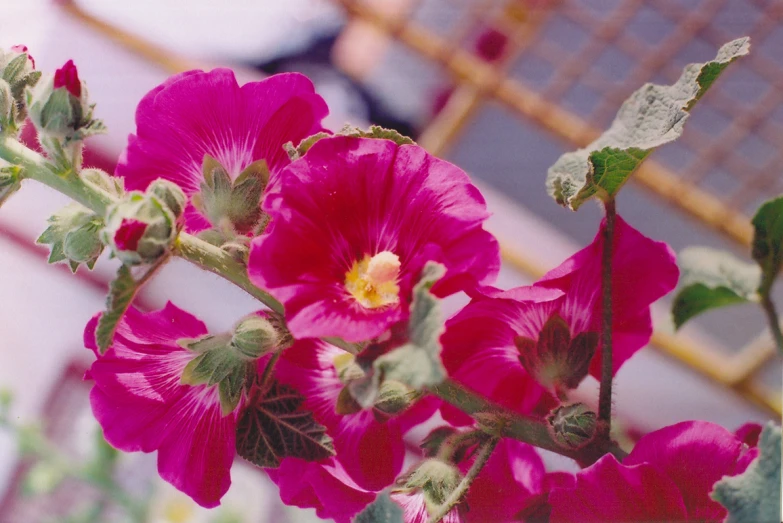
column 350, row 199
column 139, row 402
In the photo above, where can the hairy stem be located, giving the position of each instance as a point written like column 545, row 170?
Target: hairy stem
column 456, row 496
column 605, row 393
column 773, row 319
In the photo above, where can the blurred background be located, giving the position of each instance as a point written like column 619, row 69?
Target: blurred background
column 501, row 88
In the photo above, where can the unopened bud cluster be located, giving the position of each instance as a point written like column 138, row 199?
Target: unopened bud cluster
column 17, row 72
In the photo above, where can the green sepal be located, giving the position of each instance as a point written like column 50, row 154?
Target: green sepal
column 234, row 204
column 294, row 153
column 573, row 426
column 652, row 116
column 710, row 279
column 754, row 495
column 73, row 237
column 10, row 181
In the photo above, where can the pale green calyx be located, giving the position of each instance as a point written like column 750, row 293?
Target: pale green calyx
column 141, row 227
column 573, row 426
column 233, row 207
column 436, row 479
column 73, row 236
column 255, row 336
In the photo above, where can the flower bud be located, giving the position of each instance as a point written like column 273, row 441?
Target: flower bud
column 436, row 479
column 170, row 194
column 60, row 110
column 83, row 244
column 140, row 228
column 103, row 181
column 393, row 397
column 573, row 425
column 16, row 73
column 255, row 336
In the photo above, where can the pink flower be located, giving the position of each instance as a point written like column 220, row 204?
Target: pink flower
column 67, row 76
column 368, row 444
column 20, row 48
column 128, row 235
column 353, row 223
column 511, row 481
column 324, row 486
column 551, row 330
column 667, row 477
column 196, row 113
column 138, row 400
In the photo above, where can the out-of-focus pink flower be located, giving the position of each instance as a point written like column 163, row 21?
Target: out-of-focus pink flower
column 749, row 434
column 67, row 76
column 20, row 48
column 667, row 477
column 353, row 223
column 368, row 444
column 138, row 400
column 551, row 331
column 196, row 113
column 128, row 235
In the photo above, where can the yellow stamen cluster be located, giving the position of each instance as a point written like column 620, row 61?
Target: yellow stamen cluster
column 373, row 280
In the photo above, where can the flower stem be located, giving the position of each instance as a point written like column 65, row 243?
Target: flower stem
column 456, row 496
column 773, row 318
column 605, row 393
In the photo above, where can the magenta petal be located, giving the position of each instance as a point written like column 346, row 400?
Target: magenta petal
column 139, row 402
column 348, row 198
column 197, row 113
column 415, row 511
column 611, row 492
column 324, row 486
column 694, row 455
column 512, row 476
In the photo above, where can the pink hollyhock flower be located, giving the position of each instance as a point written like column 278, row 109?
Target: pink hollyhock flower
column 138, row 400
column 368, row 443
column 324, row 486
column 551, row 330
column 667, row 477
column 353, row 223
column 196, row 113
column 67, row 76
column 512, row 479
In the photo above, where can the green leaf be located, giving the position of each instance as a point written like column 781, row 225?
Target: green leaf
column 417, row 363
column 382, row 510
column 121, row 293
column 754, row 495
column 710, row 279
column 767, row 239
column 376, row 131
column 652, row 116
column 274, row 426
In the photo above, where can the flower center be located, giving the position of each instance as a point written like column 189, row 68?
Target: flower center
column 373, row 280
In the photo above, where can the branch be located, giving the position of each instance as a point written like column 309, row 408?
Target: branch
column 605, row 393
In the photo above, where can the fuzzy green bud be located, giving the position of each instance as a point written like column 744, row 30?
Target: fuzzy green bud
column 393, row 397
column 436, row 479
column 83, row 244
column 255, row 336
column 140, row 228
column 16, row 74
column 573, row 426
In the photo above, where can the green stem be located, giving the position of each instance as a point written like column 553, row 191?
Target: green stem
column 528, row 430
column 456, row 496
column 35, row 167
column 773, row 319
column 605, row 392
